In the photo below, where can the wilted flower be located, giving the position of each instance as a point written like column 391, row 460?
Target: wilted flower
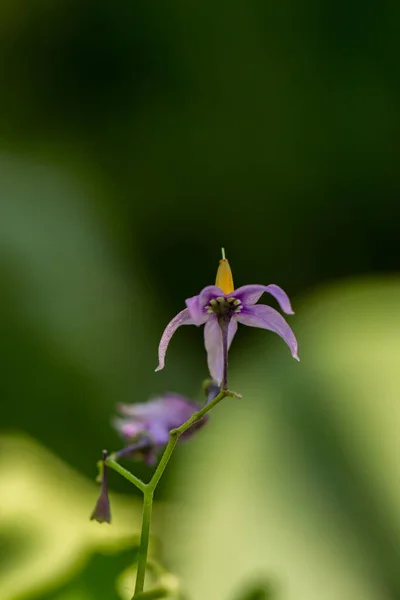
column 102, row 512
column 220, row 308
column 145, row 427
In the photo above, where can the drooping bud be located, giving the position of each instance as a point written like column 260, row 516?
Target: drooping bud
column 224, row 279
column 102, row 512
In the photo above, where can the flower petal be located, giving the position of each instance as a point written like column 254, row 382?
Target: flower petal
column 266, row 317
column 213, row 344
column 250, row 294
column 128, row 428
column 158, row 432
column 196, row 310
column 182, row 318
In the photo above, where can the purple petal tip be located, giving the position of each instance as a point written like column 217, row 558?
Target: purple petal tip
column 101, row 518
column 102, row 512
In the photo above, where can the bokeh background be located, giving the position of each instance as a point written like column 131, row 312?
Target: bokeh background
column 137, row 138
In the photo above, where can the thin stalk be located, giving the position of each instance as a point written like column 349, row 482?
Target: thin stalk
column 175, row 434
column 144, row 541
column 110, row 462
column 149, row 489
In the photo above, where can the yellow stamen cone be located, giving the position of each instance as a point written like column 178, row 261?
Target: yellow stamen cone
column 224, row 279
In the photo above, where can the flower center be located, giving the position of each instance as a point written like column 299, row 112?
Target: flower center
column 224, row 307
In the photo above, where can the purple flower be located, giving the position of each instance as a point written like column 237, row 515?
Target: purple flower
column 102, row 512
column 220, row 308
column 145, row 427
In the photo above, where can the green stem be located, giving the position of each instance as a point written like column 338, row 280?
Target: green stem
column 110, row 462
column 149, row 489
column 175, row 434
column 144, row 541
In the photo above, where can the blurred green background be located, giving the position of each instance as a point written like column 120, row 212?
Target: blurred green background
column 137, row 138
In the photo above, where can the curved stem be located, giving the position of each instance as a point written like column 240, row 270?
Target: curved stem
column 144, row 541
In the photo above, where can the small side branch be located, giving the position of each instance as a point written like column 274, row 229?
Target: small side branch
column 110, row 462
